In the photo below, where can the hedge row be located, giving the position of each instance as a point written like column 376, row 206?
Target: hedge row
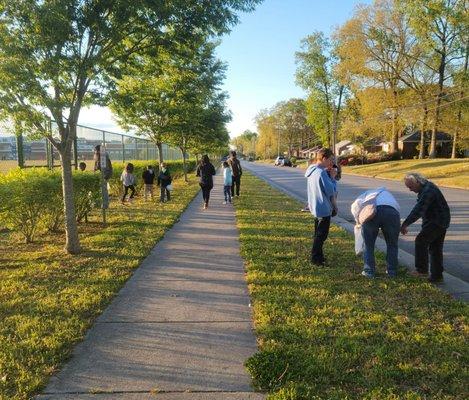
column 31, row 200
column 175, row 167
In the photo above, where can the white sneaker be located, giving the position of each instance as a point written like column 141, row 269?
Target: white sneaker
column 224, row 202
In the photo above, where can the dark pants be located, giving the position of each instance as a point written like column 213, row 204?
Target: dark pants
column 430, row 240
column 227, row 193
column 321, row 230
column 206, row 192
column 126, row 190
column 237, row 183
column 386, row 218
column 164, row 191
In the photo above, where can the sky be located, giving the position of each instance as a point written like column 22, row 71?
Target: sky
column 260, row 53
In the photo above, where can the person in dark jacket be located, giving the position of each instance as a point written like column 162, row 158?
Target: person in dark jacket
column 148, row 177
column 433, row 209
column 205, row 172
column 236, row 172
column 164, row 180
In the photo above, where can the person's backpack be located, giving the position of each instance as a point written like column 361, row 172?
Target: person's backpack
column 235, row 167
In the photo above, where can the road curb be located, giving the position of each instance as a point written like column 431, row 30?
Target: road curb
column 453, row 285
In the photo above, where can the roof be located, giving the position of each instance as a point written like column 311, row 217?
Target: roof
column 343, row 143
column 414, row 137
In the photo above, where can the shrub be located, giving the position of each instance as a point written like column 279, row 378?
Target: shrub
column 24, row 198
column 31, row 200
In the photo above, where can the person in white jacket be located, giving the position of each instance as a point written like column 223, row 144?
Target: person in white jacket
column 387, row 218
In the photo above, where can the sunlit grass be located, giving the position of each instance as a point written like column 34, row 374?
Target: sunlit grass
column 49, row 299
column 445, row 172
column 329, row 333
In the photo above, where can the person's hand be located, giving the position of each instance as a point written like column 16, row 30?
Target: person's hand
column 404, row 230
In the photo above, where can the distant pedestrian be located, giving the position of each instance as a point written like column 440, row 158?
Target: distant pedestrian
column 385, row 217
column 148, row 177
column 321, row 202
column 164, row 181
column 227, row 182
column 433, row 209
column 128, row 181
column 82, row 166
column 205, row 172
column 236, row 172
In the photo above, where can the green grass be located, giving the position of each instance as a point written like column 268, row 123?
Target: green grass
column 453, row 173
column 48, row 299
column 329, row 333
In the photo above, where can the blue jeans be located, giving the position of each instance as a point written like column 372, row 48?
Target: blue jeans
column 387, row 218
column 227, row 193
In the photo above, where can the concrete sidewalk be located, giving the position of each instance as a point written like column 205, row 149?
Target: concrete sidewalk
column 453, row 285
column 180, row 328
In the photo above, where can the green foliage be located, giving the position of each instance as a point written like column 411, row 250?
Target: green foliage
column 327, row 333
column 49, row 300
column 32, row 199
column 176, row 169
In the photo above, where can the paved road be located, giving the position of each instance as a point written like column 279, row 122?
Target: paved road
column 457, row 239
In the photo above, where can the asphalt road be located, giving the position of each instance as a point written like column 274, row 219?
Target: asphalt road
column 456, row 250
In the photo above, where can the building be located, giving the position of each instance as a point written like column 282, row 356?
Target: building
column 409, row 144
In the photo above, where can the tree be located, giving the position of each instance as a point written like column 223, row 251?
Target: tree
column 369, row 52
column 317, row 73
column 57, row 56
column 246, row 143
column 440, row 26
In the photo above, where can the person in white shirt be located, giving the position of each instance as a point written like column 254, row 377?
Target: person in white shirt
column 387, row 218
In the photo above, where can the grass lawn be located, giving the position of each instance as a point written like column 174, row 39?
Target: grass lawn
column 329, row 333
column 454, row 173
column 48, row 299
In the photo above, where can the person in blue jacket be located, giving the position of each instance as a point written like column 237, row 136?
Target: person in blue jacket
column 321, row 201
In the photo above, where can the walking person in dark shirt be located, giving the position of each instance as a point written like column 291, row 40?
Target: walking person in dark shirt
column 236, row 172
column 164, row 180
column 433, row 209
column 205, row 172
column 148, row 177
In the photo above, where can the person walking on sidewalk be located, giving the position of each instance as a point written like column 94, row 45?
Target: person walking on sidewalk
column 205, row 172
column 128, row 181
column 433, row 209
column 386, row 218
column 227, row 182
column 148, row 177
column 236, row 172
column 321, row 201
column 164, row 181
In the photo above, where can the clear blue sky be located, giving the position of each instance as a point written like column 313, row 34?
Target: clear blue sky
column 260, row 52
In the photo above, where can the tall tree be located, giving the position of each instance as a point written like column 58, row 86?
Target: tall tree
column 439, row 25
column 57, row 56
column 316, row 73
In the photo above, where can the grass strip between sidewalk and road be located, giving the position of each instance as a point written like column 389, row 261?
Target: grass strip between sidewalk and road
column 329, row 333
column 445, row 172
column 49, row 299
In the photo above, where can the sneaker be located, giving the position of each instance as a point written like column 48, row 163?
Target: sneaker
column 367, row 275
column 224, row 202
column 437, row 279
column 205, row 206
column 418, row 274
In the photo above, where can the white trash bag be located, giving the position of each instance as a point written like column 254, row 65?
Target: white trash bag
column 359, row 242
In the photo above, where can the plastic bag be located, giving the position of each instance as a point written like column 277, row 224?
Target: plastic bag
column 359, row 242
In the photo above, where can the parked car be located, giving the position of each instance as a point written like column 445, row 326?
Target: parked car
column 282, row 161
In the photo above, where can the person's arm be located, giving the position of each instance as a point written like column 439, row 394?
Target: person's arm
column 240, row 169
column 197, row 173
column 419, row 209
column 213, row 170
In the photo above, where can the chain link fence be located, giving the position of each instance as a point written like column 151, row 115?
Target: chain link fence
column 39, row 152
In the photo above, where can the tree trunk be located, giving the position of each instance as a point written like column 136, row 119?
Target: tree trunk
column 423, row 128
column 436, row 120
column 72, row 243
column 184, row 167
column 395, row 134
column 461, row 96
column 160, row 152
column 336, row 119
